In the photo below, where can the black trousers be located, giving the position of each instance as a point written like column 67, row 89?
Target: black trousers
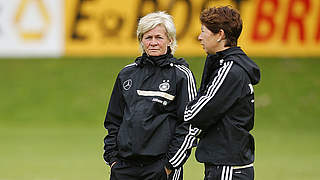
column 128, row 170
column 213, row 172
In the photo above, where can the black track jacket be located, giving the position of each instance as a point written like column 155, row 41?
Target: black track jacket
column 224, row 109
column 145, row 113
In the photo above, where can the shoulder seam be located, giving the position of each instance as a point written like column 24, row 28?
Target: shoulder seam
column 129, row 65
column 192, row 90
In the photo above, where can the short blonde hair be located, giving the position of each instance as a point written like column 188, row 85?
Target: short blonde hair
column 154, row 19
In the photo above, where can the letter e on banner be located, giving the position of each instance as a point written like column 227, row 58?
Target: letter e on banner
column 79, row 16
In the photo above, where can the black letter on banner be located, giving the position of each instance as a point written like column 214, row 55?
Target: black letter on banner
column 111, row 24
column 188, row 16
column 141, row 12
column 206, row 2
column 238, row 3
column 78, row 17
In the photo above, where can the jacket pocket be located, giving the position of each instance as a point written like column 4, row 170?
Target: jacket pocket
column 124, row 139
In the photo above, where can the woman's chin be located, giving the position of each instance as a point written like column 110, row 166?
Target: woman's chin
column 154, row 54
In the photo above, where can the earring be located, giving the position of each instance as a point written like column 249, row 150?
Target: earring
column 218, row 40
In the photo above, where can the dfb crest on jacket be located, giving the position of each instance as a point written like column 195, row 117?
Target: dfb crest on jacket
column 165, row 86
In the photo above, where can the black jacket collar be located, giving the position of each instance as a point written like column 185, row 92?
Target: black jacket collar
column 161, row 61
column 236, row 55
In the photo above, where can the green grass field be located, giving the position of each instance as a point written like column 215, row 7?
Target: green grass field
column 52, row 113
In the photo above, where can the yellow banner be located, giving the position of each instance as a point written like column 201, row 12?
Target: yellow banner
column 271, row 27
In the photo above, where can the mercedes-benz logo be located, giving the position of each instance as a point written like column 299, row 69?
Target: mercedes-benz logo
column 127, row 84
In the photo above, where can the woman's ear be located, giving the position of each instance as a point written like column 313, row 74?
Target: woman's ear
column 221, row 35
column 170, row 42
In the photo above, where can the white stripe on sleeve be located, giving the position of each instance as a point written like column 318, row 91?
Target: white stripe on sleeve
column 190, row 137
column 212, row 90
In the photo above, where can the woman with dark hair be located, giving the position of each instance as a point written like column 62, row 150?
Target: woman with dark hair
column 224, row 107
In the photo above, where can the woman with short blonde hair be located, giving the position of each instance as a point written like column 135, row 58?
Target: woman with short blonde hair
column 147, row 136
column 152, row 20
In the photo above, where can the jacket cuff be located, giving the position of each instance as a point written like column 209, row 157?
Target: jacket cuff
column 112, row 160
column 199, row 133
column 169, row 165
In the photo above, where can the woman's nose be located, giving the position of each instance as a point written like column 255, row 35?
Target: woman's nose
column 154, row 42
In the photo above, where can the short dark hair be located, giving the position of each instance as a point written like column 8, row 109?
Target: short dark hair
column 225, row 18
